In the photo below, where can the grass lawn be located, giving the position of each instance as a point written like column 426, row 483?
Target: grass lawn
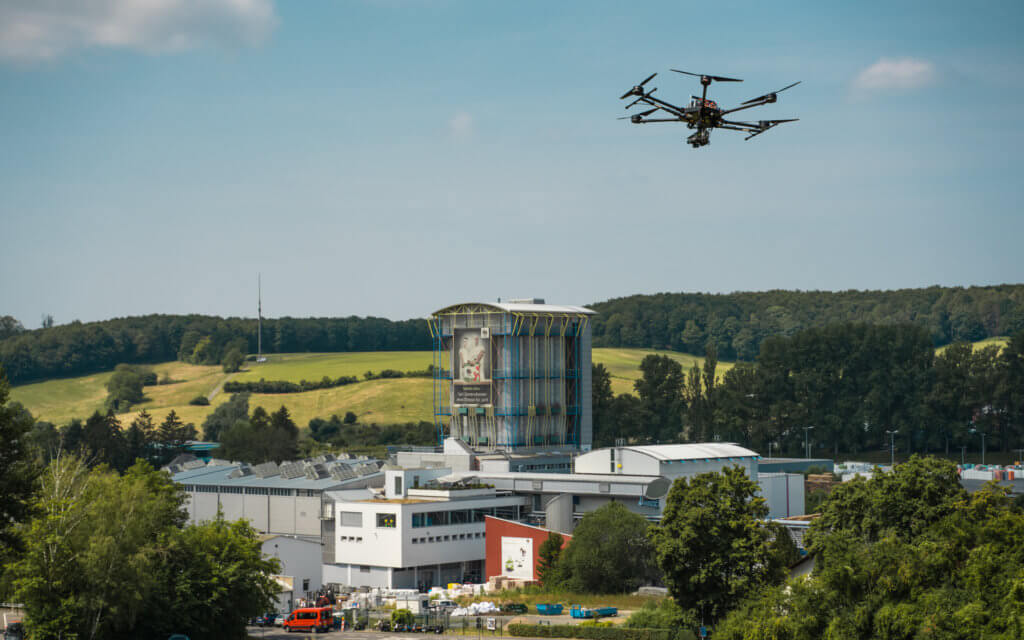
column 294, row 367
column 624, row 365
column 1000, row 341
column 58, row 401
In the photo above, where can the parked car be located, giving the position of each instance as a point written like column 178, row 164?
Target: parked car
column 515, row 608
column 443, row 604
column 279, row 620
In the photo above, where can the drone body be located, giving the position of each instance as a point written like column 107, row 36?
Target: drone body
column 702, row 114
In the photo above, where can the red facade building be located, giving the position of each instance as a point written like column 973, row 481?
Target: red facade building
column 513, row 548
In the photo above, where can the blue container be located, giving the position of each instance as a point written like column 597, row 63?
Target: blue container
column 549, row 609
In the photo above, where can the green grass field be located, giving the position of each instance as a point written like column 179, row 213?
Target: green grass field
column 624, row 365
column 314, row 366
column 380, row 401
column 981, row 344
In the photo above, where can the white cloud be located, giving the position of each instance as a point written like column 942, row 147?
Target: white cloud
column 46, row 29
column 461, row 125
column 896, row 73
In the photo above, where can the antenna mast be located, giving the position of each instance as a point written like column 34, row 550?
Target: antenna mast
column 259, row 315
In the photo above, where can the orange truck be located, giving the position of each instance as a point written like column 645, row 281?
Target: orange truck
column 315, row 619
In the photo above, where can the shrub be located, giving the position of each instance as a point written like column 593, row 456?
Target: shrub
column 201, row 401
column 598, row 632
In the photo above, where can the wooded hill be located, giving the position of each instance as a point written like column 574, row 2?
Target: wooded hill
column 734, row 324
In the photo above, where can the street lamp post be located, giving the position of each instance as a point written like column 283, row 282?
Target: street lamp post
column 963, row 454
column 807, row 443
column 892, row 446
column 982, row 434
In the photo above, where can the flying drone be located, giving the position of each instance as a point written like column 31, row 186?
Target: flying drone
column 703, row 114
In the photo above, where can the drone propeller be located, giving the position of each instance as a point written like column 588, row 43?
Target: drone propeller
column 770, row 97
column 638, row 89
column 765, row 125
column 645, row 95
column 636, row 116
column 704, row 75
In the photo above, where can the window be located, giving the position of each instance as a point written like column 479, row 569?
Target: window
column 415, row 540
column 364, row 568
column 417, row 520
column 604, row 487
column 385, row 521
column 463, row 516
column 398, row 485
column 305, row 584
column 431, row 538
column 255, row 491
column 281, row 492
column 350, row 519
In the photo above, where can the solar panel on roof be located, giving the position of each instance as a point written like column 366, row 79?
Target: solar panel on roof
column 266, row 470
column 315, row 471
column 241, row 472
column 292, row 470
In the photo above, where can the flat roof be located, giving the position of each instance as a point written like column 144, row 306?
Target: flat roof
column 522, row 307
column 693, row 451
column 218, row 476
column 553, row 477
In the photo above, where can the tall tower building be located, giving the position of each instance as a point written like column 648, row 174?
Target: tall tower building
column 513, row 375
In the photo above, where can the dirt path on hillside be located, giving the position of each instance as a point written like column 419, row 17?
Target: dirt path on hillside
column 220, row 386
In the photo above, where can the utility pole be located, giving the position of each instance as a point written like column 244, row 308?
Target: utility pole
column 1020, row 454
column 963, row 454
column 807, row 443
column 892, row 447
column 259, row 317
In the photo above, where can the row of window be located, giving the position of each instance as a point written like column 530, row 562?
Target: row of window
column 462, row 516
column 350, row 539
column 431, row 518
column 451, row 538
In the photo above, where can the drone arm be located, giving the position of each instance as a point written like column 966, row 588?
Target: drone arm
column 659, row 120
column 671, row 108
column 745, row 106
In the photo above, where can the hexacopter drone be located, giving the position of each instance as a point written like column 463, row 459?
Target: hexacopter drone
column 703, row 114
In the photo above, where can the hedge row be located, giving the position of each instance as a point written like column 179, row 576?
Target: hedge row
column 284, row 386
column 597, row 633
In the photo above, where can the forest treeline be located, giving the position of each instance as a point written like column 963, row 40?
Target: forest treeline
column 80, row 348
column 848, row 385
column 736, row 324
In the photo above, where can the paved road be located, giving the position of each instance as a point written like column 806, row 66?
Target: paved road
column 276, row 633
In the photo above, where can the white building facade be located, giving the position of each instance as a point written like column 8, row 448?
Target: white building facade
column 417, row 538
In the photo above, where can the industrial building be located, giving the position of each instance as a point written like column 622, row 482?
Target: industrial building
column 284, row 500
column 412, row 536
column 513, row 375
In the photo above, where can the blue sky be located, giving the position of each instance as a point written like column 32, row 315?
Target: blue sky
column 389, row 157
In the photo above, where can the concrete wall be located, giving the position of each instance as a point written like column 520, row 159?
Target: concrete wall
column 299, row 559
column 784, row 493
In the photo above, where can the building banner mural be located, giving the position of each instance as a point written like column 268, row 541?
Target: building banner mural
column 472, row 367
column 517, row 557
